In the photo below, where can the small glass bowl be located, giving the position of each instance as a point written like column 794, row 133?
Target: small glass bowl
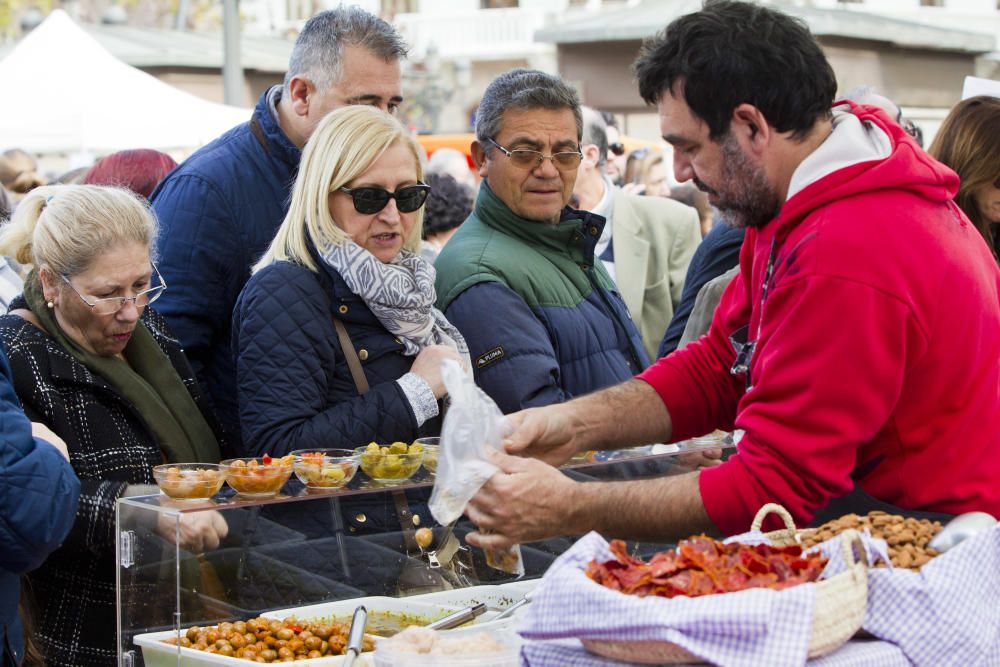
column 390, row 466
column 432, row 446
column 325, row 468
column 254, row 478
column 189, row 481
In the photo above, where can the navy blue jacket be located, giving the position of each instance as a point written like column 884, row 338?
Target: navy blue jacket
column 543, row 320
column 218, row 212
column 38, row 494
column 295, row 388
column 718, row 252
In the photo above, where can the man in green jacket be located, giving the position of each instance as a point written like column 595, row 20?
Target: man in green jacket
column 543, row 320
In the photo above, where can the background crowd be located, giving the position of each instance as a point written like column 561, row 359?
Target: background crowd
column 312, row 268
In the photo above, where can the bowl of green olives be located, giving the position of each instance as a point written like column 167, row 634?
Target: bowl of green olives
column 391, row 464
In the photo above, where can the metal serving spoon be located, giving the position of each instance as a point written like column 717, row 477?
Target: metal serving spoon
column 356, row 635
column 460, row 617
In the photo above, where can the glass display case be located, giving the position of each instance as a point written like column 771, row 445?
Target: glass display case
column 314, row 553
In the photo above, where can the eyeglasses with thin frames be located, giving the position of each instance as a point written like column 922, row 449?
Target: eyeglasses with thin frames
column 529, row 159
column 112, row 305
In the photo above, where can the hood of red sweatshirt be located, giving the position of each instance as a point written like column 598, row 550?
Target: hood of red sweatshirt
column 906, row 167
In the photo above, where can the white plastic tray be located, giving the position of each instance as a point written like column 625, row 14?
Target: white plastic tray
column 431, row 605
column 157, row 654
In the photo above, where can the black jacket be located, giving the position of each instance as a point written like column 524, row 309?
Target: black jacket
column 110, row 447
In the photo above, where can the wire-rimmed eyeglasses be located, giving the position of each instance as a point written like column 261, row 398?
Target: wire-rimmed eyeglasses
column 112, row 305
column 529, row 159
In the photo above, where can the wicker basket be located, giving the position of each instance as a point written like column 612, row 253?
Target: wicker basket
column 838, row 610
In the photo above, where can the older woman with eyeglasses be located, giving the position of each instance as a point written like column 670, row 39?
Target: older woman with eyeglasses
column 343, row 285
column 95, row 364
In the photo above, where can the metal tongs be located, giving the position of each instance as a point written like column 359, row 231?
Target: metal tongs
column 356, row 635
column 460, row 617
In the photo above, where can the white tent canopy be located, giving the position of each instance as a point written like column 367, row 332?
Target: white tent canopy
column 64, row 93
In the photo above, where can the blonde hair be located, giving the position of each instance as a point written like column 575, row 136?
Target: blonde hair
column 64, row 227
column 346, row 143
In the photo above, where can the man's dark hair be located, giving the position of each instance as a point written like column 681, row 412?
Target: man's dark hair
column 523, row 89
column 448, row 204
column 731, row 53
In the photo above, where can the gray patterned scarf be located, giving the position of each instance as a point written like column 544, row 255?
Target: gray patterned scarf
column 400, row 294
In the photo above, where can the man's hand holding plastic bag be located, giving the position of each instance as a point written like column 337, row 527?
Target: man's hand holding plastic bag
column 474, row 429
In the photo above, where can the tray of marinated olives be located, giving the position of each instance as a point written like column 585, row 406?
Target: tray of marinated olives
column 260, row 640
column 317, row 633
column 189, row 481
column 325, row 468
column 260, row 477
column 393, row 463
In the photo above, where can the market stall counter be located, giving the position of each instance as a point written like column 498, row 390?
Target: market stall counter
column 299, row 552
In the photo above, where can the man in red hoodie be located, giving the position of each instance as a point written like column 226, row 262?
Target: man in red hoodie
column 858, row 350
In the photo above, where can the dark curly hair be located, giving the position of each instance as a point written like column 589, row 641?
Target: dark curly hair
column 731, row 53
column 448, row 204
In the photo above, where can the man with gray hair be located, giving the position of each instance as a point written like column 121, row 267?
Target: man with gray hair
column 647, row 242
column 542, row 318
column 220, row 209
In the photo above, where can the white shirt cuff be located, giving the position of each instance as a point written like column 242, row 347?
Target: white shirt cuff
column 420, row 396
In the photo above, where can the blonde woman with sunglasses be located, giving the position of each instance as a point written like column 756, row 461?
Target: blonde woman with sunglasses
column 346, row 255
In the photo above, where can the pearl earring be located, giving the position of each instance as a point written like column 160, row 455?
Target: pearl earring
column 50, row 304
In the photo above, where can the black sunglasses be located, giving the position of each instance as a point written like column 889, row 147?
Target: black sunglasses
column 617, row 148
column 372, row 200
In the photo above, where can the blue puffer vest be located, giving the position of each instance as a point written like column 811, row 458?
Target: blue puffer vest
column 543, row 320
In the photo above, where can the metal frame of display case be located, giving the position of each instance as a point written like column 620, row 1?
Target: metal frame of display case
column 293, row 549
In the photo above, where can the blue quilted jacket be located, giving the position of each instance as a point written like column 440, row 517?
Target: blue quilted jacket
column 543, row 320
column 218, row 212
column 38, row 494
column 294, row 386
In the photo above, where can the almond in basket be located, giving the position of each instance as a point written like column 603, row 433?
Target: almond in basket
column 907, row 538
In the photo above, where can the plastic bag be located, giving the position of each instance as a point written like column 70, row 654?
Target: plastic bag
column 473, row 426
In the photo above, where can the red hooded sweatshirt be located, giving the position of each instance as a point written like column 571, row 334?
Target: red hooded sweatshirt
column 877, row 356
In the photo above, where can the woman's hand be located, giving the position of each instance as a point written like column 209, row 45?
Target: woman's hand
column 198, row 532
column 428, row 366
column 43, row 432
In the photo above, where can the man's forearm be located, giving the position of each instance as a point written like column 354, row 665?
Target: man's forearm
column 625, row 415
column 655, row 510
